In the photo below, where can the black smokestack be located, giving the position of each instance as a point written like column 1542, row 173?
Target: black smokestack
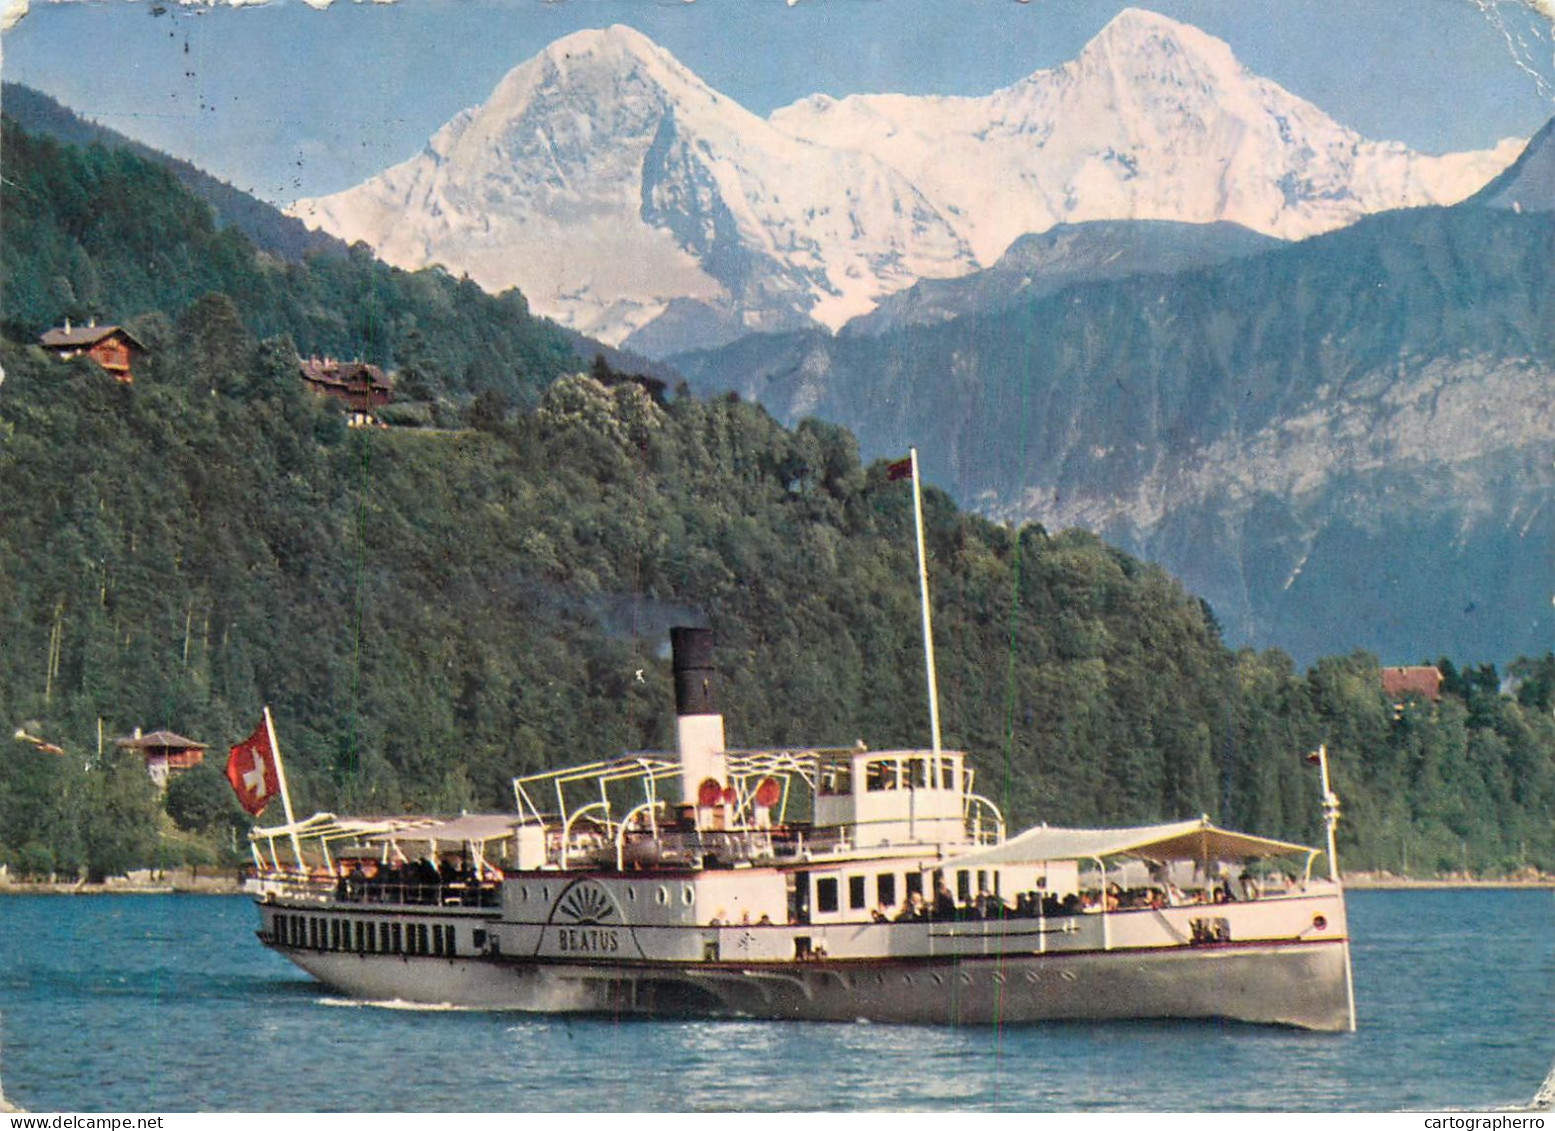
column 693, row 667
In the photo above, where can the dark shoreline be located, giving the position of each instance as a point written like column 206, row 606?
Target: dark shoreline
column 177, row 881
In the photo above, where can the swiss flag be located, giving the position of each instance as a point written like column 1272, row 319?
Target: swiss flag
column 251, row 770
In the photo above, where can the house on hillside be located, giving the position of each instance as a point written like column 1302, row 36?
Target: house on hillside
column 365, row 388
column 166, row 753
column 112, row 347
column 1399, row 683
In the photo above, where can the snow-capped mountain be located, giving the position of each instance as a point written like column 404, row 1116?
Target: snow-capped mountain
column 1155, row 120
column 616, row 189
column 606, row 180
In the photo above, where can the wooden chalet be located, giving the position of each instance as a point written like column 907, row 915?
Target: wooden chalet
column 166, row 753
column 1423, row 682
column 112, row 347
column 365, row 388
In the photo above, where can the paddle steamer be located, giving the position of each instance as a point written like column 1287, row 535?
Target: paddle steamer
column 819, row 884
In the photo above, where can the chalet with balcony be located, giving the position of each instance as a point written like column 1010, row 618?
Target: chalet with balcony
column 166, row 753
column 114, row 348
column 364, row 388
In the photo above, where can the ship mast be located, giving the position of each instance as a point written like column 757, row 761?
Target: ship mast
column 923, row 590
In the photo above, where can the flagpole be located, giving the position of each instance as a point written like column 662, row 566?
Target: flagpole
column 286, row 797
column 923, row 590
column 1330, row 812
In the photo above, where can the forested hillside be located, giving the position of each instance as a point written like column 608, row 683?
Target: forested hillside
column 429, row 613
column 98, row 232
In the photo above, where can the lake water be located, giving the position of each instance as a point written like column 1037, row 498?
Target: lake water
column 168, row 1003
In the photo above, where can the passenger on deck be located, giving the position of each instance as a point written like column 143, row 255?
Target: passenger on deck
column 944, row 902
column 988, row 905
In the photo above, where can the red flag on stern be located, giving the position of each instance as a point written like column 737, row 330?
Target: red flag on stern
column 251, row 768
column 901, row 469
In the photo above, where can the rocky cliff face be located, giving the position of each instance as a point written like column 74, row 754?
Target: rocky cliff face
column 631, row 201
column 1341, row 443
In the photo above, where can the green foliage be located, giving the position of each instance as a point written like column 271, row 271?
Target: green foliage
column 200, row 800
column 98, row 232
column 429, row 613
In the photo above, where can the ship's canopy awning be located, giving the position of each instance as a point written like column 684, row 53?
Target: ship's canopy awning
column 471, row 828
column 1183, row 840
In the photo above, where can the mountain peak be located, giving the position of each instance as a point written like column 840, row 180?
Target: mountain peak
column 1528, row 185
column 616, row 39
column 1144, row 40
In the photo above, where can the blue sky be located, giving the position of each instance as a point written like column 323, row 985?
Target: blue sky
column 286, row 100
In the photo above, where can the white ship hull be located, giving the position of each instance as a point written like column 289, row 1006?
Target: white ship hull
column 1282, row 960
column 1300, row 985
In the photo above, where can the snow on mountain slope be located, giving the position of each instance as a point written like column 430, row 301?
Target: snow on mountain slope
column 1155, row 120
column 626, row 198
column 605, row 180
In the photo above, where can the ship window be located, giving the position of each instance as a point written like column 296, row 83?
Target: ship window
column 885, row 889
column 631, row 894
column 383, row 937
column 914, row 884
column 450, row 943
column 880, row 774
column 361, row 942
column 437, row 938
column 835, row 779
column 523, row 893
column 964, row 886
column 856, row 891
column 947, row 774
column 982, row 881
column 334, row 934
column 397, row 938
column 919, row 769
column 421, row 939
column 826, row 894
column 688, row 894
column 663, row 895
